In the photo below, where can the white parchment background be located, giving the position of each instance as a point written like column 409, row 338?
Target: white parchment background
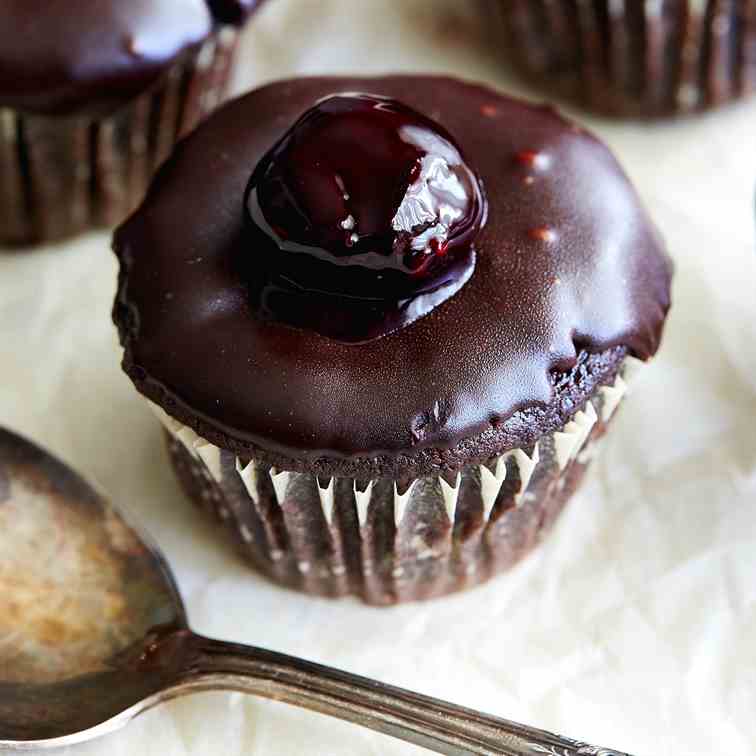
column 634, row 626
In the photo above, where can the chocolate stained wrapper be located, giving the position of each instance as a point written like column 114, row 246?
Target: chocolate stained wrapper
column 384, row 543
column 650, row 57
column 62, row 175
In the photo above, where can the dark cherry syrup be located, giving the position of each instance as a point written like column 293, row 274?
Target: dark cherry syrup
column 361, row 218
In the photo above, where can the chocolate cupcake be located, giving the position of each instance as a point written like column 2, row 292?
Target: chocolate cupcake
column 386, row 323
column 93, row 96
column 645, row 58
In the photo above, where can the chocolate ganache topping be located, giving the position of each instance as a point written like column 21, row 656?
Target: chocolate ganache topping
column 87, row 57
column 569, row 274
column 362, row 217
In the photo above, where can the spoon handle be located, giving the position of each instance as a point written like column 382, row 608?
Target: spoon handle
column 439, row 726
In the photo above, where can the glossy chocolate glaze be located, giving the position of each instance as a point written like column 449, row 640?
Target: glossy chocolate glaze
column 363, row 218
column 568, row 264
column 90, row 56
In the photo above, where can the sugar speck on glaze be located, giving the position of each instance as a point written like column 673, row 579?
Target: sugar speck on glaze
column 532, row 159
column 543, row 234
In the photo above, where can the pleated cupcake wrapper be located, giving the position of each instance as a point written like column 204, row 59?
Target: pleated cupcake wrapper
column 642, row 57
column 62, row 175
column 385, row 543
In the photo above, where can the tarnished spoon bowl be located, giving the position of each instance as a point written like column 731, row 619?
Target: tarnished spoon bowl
column 93, row 632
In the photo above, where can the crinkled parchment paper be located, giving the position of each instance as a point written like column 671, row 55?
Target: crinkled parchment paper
column 635, row 624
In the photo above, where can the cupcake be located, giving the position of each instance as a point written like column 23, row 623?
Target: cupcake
column 644, row 58
column 93, row 96
column 385, row 323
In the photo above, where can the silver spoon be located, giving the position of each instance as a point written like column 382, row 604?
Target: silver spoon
column 93, row 632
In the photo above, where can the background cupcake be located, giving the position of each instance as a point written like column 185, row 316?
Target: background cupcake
column 386, row 359
column 93, row 96
column 644, row 58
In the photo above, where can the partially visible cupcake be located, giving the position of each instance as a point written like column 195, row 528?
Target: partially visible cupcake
column 386, row 323
column 93, row 95
column 635, row 57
